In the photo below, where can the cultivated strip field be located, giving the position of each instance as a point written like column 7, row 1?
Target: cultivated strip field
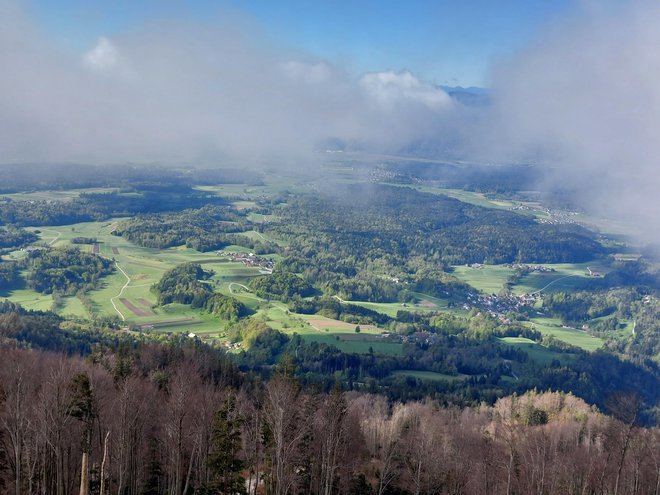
column 134, row 309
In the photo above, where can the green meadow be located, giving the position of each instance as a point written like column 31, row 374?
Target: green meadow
column 536, row 352
column 127, row 294
column 429, row 375
column 491, row 279
column 573, row 336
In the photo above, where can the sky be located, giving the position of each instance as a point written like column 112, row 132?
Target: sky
column 447, row 42
column 574, row 86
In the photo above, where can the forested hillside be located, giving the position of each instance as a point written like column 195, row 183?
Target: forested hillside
column 358, row 339
column 172, row 419
column 375, row 243
column 65, row 270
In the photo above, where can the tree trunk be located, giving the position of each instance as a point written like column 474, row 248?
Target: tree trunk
column 103, row 464
column 84, row 474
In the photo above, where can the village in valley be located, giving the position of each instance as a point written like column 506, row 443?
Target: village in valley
column 265, row 265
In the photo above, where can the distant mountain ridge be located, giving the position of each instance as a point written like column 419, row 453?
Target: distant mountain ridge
column 471, row 96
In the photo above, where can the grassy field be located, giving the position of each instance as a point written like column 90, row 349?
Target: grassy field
column 425, row 303
column 129, row 287
column 430, row 375
column 352, row 342
column 474, row 198
column 573, row 336
column 29, row 299
column 325, row 330
column 566, row 276
column 127, row 293
column 489, row 279
column 536, row 352
column 67, row 195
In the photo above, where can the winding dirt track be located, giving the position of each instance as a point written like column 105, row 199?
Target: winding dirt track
column 121, row 292
column 553, row 282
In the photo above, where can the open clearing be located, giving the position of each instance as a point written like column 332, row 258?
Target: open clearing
column 430, row 375
column 425, row 303
column 573, row 336
column 326, row 323
column 491, row 279
column 134, row 309
column 129, row 287
column 64, row 195
column 138, row 268
column 536, row 352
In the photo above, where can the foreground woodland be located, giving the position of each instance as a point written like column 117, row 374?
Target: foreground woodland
column 180, row 419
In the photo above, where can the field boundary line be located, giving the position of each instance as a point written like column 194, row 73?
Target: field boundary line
column 240, row 285
column 59, row 234
column 121, row 292
column 554, row 281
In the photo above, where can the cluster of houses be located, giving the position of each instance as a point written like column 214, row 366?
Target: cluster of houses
column 530, row 268
column 420, row 338
column 553, row 216
column 498, row 306
column 518, row 266
column 558, row 217
column 649, row 300
column 250, row 259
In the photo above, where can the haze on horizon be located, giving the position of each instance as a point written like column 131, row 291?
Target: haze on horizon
column 582, row 97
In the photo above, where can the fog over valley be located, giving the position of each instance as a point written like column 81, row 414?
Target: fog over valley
column 582, row 100
column 329, row 247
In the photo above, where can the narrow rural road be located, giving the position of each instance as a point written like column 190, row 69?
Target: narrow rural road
column 274, row 304
column 112, row 300
column 231, row 284
column 52, row 241
column 553, row 282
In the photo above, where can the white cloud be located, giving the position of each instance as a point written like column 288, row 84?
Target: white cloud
column 182, row 92
column 394, row 88
column 103, row 56
column 315, row 73
column 586, row 100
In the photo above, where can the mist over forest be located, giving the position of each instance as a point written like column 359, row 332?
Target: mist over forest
column 234, row 260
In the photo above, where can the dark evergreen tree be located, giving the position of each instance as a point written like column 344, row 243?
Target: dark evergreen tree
column 83, row 408
column 154, row 472
column 224, row 464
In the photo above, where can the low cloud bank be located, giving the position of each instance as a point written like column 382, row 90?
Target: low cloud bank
column 175, row 92
column 585, row 102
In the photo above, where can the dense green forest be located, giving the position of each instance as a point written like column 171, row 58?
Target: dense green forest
column 204, row 229
column 12, row 237
column 101, row 206
column 9, row 274
column 185, row 284
column 64, row 176
column 66, row 271
column 282, row 286
column 380, row 243
column 179, row 415
column 402, row 222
